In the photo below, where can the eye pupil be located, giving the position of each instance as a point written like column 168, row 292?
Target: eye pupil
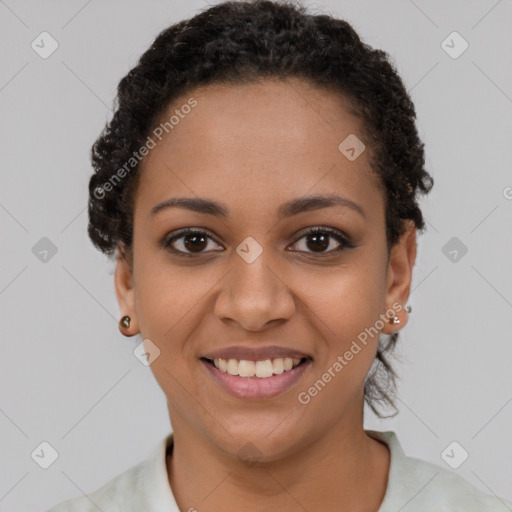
column 198, row 242
column 324, row 241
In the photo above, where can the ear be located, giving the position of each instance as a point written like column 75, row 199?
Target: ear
column 401, row 262
column 125, row 291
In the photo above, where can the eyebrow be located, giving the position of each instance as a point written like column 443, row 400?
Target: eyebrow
column 288, row 209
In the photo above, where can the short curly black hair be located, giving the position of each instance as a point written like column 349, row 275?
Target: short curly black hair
column 240, row 42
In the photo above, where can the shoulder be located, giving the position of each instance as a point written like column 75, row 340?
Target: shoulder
column 144, row 486
column 441, row 489
column 419, row 485
column 111, row 497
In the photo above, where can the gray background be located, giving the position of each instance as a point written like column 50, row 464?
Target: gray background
column 69, row 377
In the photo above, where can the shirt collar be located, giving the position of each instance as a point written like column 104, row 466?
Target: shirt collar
column 158, row 494
column 401, row 471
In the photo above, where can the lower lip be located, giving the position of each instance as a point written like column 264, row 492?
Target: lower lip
column 254, row 387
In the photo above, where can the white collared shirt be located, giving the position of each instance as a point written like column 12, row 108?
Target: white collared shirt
column 414, row 485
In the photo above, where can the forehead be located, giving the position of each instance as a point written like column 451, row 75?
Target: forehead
column 256, row 143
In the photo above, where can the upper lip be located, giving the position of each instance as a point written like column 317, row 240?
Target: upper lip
column 255, row 353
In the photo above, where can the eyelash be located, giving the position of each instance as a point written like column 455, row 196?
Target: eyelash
column 337, row 235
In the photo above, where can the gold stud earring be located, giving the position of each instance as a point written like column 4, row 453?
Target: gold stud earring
column 125, row 322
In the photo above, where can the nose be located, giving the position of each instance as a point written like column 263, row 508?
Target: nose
column 254, row 295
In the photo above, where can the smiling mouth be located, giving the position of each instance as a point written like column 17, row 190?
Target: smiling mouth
column 257, row 369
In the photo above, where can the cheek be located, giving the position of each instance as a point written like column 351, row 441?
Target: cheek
column 348, row 300
column 348, row 330
column 172, row 303
column 168, row 299
column 347, row 307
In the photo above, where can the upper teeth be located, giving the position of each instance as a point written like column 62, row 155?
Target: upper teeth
column 261, row 369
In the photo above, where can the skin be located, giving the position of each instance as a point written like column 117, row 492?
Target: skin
column 254, row 147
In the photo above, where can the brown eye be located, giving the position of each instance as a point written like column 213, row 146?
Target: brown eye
column 188, row 242
column 320, row 240
column 195, row 243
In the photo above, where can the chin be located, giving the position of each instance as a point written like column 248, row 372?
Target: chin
column 251, row 443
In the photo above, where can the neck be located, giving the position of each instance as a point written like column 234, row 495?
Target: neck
column 342, row 469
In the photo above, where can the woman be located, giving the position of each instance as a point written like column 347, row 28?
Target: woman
column 244, row 137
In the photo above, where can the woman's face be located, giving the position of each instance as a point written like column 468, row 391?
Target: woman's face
column 253, row 285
